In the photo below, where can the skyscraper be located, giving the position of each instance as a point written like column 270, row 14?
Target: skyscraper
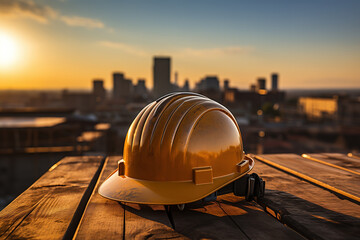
column 210, row 87
column 226, row 84
column 161, row 70
column 99, row 90
column 261, row 84
column 274, row 81
column 140, row 90
column 122, row 88
column 117, row 79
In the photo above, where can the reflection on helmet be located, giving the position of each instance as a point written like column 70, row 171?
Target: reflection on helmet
column 179, row 149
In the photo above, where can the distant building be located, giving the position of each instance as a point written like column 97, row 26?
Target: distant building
column 318, row 108
column 140, row 91
column 34, row 139
column 209, row 83
column 349, row 111
column 226, row 84
column 117, row 79
column 174, row 86
column 210, row 87
column 176, row 78
column 82, row 101
column 122, row 88
column 261, row 84
column 186, row 87
column 127, row 89
column 252, row 88
column 251, row 100
column 42, row 99
column 99, row 90
column 161, row 78
column 343, row 110
column 274, row 81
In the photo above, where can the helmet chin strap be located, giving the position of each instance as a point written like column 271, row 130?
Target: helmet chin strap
column 250, row 186
column 169, row 215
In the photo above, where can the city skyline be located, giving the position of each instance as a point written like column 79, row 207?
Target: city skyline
column 61, row 44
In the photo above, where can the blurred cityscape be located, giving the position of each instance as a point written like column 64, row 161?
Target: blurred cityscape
column 38, row 128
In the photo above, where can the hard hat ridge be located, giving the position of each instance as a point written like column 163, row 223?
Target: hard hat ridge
column 182, row 141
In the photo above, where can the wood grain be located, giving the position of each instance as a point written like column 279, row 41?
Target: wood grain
column 338, row 159
column 310, row 210
column 251, row 218
column 342, row 156
column 104, row 218
column 337, row 178
column 47, row 210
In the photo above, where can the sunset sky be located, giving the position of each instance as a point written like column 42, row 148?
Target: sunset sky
column 67, row 43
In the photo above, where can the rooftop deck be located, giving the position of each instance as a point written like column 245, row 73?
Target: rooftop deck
column 314, row 196
column 30, row 122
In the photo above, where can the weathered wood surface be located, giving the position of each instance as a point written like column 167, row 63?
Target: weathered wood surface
column 339, row 160
column 337, row 178
column 104, row 215
column 50, row 207
column 104, row 218
column 228, row 218
column 310, row 210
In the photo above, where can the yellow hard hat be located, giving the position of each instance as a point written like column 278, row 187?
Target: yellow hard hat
column 179, row 149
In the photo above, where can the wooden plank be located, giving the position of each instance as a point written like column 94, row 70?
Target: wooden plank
column 342, row 194
column 197, row 221
column 311, row 211
column 251, row 218
column 104, row 218
column 227, row 218
column 52, row 206
column 337, row 178
column 354, row 156
column 349, row 161
column 342, row 162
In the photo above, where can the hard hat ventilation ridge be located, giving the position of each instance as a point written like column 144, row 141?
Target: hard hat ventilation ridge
column 178, row 149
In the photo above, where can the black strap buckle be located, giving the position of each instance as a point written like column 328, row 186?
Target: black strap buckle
column 251, row 186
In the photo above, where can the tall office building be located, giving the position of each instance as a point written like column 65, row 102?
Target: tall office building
column 99, row 90
column 122, row 88
column 161, row 71
column 274, row 81
column 261, row 84
column 209, row 83
column 117, row 79
column 210, row 87
column 186, row 87
column 140, row 89
column 226, row 84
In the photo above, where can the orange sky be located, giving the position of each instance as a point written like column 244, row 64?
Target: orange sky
column 62, row 48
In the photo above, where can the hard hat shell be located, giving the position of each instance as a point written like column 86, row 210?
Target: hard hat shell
column 179, row 149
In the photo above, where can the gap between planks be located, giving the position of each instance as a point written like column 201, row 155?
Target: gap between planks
column 85, row 200
column 75, row 221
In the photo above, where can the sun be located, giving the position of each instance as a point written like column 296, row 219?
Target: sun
column 8, row 50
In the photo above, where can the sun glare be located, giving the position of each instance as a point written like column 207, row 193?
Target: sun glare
column 8, row 50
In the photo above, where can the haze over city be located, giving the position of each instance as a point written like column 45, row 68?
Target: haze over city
column 66, row 44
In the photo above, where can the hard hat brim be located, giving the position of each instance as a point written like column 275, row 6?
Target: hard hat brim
column 126, row 189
